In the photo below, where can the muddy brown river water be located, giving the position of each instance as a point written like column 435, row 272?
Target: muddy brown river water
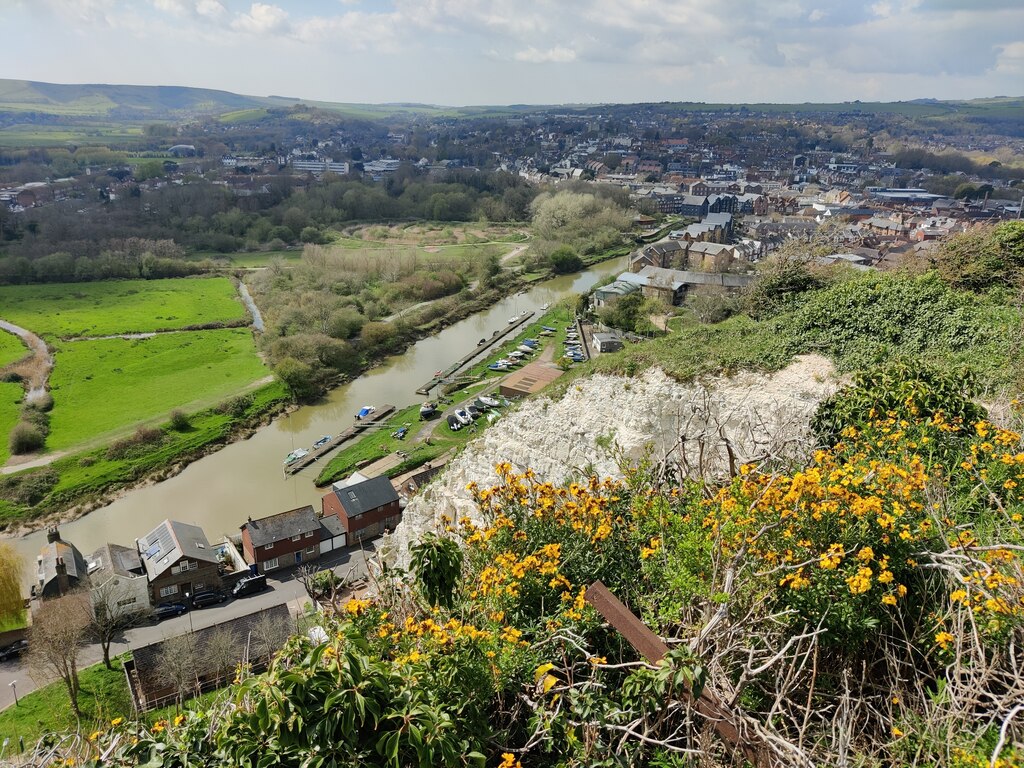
column 244, row 479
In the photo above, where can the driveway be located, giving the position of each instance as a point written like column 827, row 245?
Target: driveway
column 284, row 588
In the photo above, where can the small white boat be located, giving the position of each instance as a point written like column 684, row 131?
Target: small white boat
column 463, row 416
column 489, row 401
column 322, row 442
column 365, row 411
column 513, row 319
column 546, row 307
column 526, row 349
column 295, row 455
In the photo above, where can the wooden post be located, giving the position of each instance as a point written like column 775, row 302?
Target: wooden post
column 616, row 613
column 733, row 729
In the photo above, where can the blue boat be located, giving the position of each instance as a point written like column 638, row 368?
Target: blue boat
column 365, row 411
column 548, row 328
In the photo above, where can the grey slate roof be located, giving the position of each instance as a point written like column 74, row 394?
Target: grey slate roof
column 169, row 542
column 366, row 496
column 119, row 560
column 282, row 526
column 73, row 561
column 330, row 527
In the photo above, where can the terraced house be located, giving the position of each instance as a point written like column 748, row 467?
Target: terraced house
column 277, row 541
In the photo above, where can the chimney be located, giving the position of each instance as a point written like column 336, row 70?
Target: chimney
column 63, row 584
column 52, row 535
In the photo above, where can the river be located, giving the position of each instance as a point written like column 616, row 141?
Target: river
column 245, row 479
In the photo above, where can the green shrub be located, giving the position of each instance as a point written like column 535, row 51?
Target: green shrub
column 25, row 438
column 179, row 420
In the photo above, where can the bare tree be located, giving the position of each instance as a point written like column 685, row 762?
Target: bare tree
column 59, row 629
column 269, row 633
column 221, row 651
column 113, row 611
column 177, row 665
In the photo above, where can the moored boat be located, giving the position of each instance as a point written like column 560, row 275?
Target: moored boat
column 427, row 409
column 295, row 455
column 365, row 411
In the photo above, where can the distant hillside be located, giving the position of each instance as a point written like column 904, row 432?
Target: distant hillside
column 125, row 101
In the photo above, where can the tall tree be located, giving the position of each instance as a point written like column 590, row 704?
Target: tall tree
column 60, row 627
column 112, row 614
column 12, row 602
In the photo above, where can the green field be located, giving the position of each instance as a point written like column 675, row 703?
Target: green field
column 121, row 306
column 105, row 386
column 10, row 405
column 11, row 348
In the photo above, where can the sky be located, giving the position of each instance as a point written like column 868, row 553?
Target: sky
column 467, row 52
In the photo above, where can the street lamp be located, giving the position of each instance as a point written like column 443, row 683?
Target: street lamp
column 14, row 687
column 188, row 608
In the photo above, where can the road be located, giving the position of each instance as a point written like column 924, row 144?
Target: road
column 284, row 588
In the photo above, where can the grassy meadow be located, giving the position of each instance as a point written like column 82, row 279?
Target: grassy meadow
column 103, row 386
column 120, row 306
column 10, row 406
column 11, row 348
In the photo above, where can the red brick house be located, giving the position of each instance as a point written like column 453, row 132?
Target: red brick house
column 365, row 508
column 278, row 541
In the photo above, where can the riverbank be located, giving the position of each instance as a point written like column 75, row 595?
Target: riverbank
column 217, row 488
column 76, row 484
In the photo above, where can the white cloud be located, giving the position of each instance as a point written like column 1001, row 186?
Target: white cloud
column 263, row 19
column 211, row 9
column 556, row 55
column 816, row 15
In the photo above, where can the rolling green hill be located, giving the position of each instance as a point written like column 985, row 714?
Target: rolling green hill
column 121, row 103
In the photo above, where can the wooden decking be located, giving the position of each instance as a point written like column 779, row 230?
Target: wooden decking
column 374, row 419
column 477, row 351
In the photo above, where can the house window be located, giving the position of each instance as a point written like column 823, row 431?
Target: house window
column 127, row 601
column 268, row 547
column 310, row 550
column 270, row 564
column 309, row 534
column 296, row 537
column 168, row 591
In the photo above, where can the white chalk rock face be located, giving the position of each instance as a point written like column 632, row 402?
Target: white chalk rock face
column 698, row 428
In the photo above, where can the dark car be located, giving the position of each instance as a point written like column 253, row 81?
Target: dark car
column 169, row 610
column 250, row 585
column 13, row 650
column 208, row 597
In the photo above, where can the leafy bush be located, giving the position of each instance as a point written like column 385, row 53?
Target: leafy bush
column 25, row 438
column 179, row 420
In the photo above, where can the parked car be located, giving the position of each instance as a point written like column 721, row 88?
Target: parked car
column 13, row 650
column 250, row 585
column 207, row 597
column 169, row 610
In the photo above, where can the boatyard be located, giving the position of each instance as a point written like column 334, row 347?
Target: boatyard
column 373, row 419
column 484, row 345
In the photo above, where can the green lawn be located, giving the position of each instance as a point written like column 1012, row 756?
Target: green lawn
column 104, row 696
column 101, row 387
column 120, row 306
column 11, row 348
column 261, row 258
column 10, row 405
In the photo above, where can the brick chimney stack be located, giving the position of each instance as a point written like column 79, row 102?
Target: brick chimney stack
column 63, row 584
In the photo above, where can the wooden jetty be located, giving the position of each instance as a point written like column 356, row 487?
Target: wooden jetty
column 375, row 419
column 477, row 351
